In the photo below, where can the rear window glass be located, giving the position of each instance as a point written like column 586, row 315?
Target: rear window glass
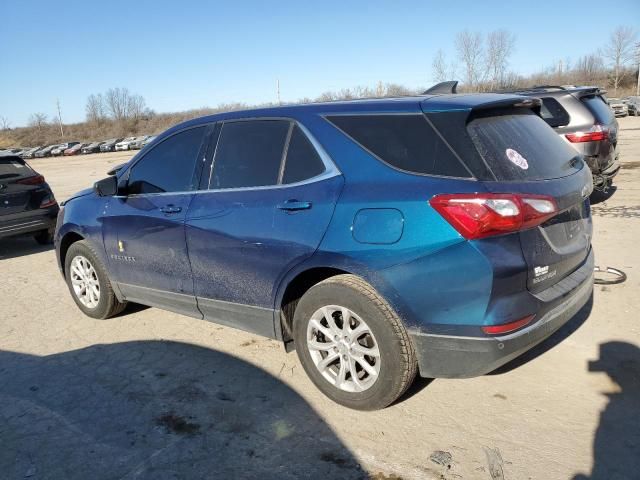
column 599, row 108
column 406, row 142
column 553, row 113
column 522, row 147
column 12, row 167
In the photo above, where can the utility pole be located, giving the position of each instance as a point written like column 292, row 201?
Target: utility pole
column 278, row 89
column 59, row 118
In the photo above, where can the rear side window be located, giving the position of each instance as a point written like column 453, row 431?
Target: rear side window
column 553, row 113
column 249, row 154
column 599, row 108
column 303, row 161
column 522, row 147
column 13, row 168
column 169, row 166
column 406, row 142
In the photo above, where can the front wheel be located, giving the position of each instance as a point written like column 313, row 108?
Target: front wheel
column 352, row 345
column 89, row 283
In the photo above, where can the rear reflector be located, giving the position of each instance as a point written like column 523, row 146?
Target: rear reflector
column 479, row 215
column 34, row 180
column 595, row 134
column 507, row 327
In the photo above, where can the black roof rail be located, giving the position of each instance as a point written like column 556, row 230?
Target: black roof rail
column 449, row 86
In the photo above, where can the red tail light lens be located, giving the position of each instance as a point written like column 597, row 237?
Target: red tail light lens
column 507, row 327
column 480, row 215
column 595, row 134
column 34, row 180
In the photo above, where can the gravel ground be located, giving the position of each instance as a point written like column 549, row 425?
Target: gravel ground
column 152, row 394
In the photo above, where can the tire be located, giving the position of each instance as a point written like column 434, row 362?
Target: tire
column 107, row 305
column 387, row 376
column 44, row 237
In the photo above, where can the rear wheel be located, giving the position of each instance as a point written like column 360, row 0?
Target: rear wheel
column 352, row 345
column 89, row 283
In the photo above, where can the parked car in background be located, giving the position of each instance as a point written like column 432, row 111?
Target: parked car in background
column 149, row 140
column 582, row 118
column 618, row 106
column 11, row 151
column 138, row 142
column 109, row 145
column 91, row 147
column 27, row 204
column 46, row 151
column 56, row 152
column 633, row 106
column 125, row 144
column 74, row 149
column 31, row 152
column 439, row 234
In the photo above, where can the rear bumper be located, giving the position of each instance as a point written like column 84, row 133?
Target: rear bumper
column 41, row 220
column 612, row 170
column 448, row 356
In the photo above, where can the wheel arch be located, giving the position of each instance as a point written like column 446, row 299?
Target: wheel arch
column 66, row 241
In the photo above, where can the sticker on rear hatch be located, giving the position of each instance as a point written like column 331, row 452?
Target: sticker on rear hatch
column 517, row 159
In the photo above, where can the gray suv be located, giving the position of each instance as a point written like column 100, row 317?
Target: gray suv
column 582, row 117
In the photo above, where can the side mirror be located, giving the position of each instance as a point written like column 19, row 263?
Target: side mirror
column 107, row 187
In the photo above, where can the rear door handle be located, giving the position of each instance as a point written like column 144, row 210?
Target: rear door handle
column 170, row 209
column 292, row 205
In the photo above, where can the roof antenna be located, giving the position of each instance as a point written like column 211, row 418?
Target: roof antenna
column 449, row 86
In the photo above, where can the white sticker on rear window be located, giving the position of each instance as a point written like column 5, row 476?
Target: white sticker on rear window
column 517, row 159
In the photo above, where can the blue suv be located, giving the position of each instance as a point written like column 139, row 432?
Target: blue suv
column 439, row 234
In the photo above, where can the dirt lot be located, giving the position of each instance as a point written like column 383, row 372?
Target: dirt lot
column 152, row 394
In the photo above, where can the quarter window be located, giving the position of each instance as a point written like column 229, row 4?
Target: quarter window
column 249, row 154
column 406, row 142
column 169, row 166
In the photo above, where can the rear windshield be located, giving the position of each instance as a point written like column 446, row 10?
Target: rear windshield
column 13, row 167
column 553, row 113
column 599, row 108
column 406, row 142
column 521, row 146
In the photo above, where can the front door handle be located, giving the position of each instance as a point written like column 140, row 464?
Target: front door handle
column 292, row 205
column 170, row 209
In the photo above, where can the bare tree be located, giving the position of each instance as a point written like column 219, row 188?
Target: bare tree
column 500, row 46
column 136, row 107
column 469, row 46
column 5, row 124
column 117, row 103
column 38, row 120
column 619, row 52
column 442, row 71
column 95, row 108
column 588, row 69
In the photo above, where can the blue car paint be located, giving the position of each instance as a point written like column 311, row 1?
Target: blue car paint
column 240, row 249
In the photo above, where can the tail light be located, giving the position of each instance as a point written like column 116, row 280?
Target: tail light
column 48, row 201
column 479, row 215
column 507, row 327
column 34, row 180
column 595, row 134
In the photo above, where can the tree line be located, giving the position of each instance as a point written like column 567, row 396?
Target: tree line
column 481, row 61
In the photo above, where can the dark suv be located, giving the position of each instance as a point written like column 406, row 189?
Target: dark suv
column 27, row 204
column 445, row 234
column 582, row 117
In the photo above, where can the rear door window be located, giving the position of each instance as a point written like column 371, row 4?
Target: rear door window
column 553, row 113
column 249, row 154
column 599, row 108
column 406, row 142
column 303, row 161
column 521, row 147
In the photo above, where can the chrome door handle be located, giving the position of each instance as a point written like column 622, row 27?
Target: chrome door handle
column 292, row 205
column 170, row 209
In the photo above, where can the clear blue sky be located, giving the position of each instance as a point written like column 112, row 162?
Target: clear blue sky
column 181, row 54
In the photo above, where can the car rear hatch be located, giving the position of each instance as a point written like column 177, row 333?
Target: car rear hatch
column 511, row 150
column 21, row 188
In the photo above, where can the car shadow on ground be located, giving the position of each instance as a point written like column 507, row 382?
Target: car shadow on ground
column 158, row 409
column 12, row 247
column 599, row 197
column 616, row 447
